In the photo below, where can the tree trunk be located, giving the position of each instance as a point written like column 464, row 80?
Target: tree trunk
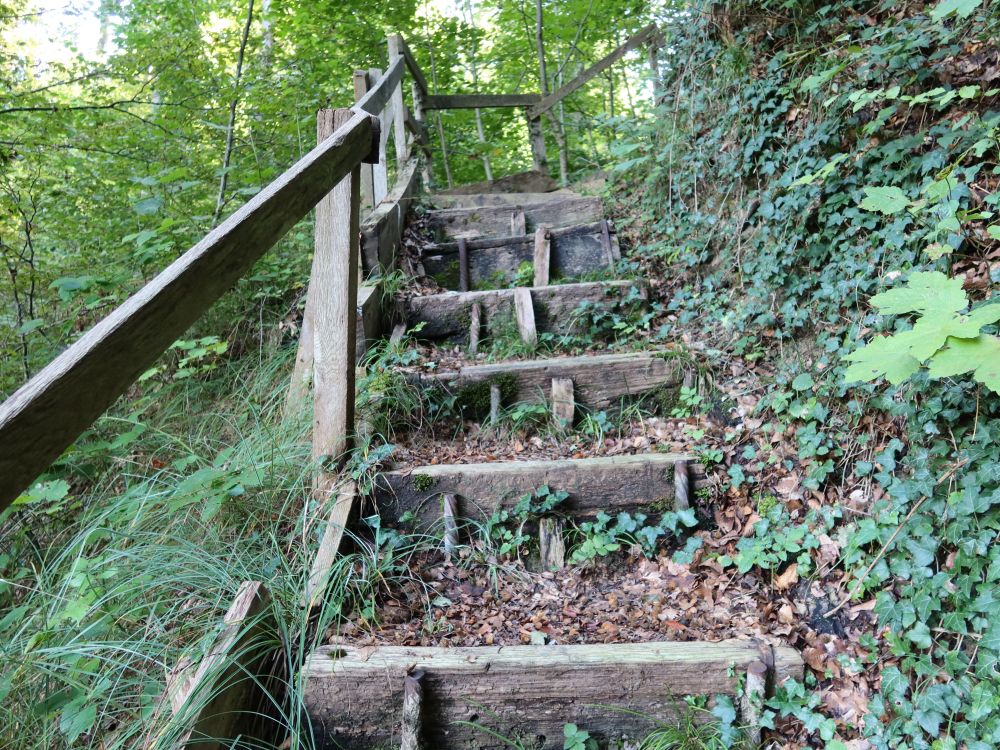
column 227, row 156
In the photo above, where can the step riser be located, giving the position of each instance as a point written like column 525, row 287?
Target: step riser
column 483, row 200
column 354, row 697
column 448, row 315
column 573, row 254
column 613, row 484
column 496, row 221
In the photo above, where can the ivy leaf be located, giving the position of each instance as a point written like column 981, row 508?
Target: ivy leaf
column 884, row 199
column 887, row 356
column 937, row 250
column 924, row 291
column 980, row 355
column 962, row 8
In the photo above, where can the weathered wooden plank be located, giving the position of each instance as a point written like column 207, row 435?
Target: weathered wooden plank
column 354, row 696
column 48, row 413
column 380, row 169
column 524, row 314
column 334, row 281
column 337, row 515
column 563, row 402
column 479, row 101
column 599, row 380
column 481, row 200
column 494, row 261
column 532, row 181
column 633, row 42
column 383, row 229
column 447, row 315
column 609, row 483
column 542, row 256
column 394, row 44
column 367, row 183
column 518, row 222
column 411, row 63
column 371, row 319
column 381, row 91
column 496, row 221
column 235, row 691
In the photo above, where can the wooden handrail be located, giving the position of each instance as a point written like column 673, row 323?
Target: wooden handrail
column 374, row 101
column 411, row 63
column 480, row 101
column 636, row 40
column 52, row 409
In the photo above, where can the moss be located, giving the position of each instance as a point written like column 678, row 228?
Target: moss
column 474, row 399
column 664, row 399
column 422, row 482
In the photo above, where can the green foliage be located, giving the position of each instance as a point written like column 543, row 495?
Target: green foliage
column 575, row 738
column 505, row 529
column 606, row 534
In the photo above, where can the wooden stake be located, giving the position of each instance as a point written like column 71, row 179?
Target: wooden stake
column 398, row 331
column 552, row 547
column 682, row 485
column 518, row 225
column 563, row 403
column 463, row 265
column 752, row 700
column 541, row 262
column 606, row 243
column 413, row 693
column 330, row 544
column 335, row 281
column 494, row 403
column 475, row 326
column 525, row 314
column 450, row 513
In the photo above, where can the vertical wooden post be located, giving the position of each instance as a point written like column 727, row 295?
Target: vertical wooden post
column 367, row 184
column 413, row 692
column 463, row 265
column 539, row 160
column 395, row 43
column 563, row 402
column 380, row 173
column 524, row 312
column 475, row 325
column 450, row 514
column 682, row 485
column 551, row 545
column 542, row 256
column 518, row 224
column 335, row 282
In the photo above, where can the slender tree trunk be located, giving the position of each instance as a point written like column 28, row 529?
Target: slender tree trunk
column 440, row 124
column 487, row 166
column 227, row 156
column 265, row 21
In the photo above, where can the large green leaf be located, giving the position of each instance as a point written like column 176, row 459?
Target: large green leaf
column 961, row 8
column 885, row 199
column 885, row 356
column 980, row 355
column 924, row 291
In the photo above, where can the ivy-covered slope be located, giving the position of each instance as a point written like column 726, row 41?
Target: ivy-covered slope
column 803, row 158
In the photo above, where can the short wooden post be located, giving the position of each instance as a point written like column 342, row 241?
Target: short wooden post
column 539, row 159
column 563, row 402
column 475, row 326
column 413, row 693
column 518, row 224
column 682, row 485
column 494, row 403
column 525, row 314
column 551, row 545
column 542, row 254
column 367, row 184
column 450, row 514
column 752, row 700
column 380, row 171
column 609, row 253
column 395, row 43
column 463, row 265
column 335, row 282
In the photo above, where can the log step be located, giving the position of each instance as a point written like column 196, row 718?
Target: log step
column 613, row 484
column 495, row 221
column 599, row 380
column 354, row 696
column 481, row 200
column 526, row 182
column 574, row 251
column 448, row 315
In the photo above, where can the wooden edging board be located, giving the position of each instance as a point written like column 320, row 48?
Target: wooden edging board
column 495, row 221
column 382, row 230
column 610, row 483
column 354, row 696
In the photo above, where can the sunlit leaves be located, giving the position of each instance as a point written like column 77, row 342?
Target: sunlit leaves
column 960, row 8
column 884, row 199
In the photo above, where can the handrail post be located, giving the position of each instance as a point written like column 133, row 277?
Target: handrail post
column 395, row 43
column 335, row 281
column 380, row 174
column 426, row 172
column 367, row 185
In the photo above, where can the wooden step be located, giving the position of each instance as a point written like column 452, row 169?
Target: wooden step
column 643, row 483
column 354, row 696
column 480, row 200
column 520, row 182
column 574, row 251
column 599, row 380
column 448, row 315
column 495, row 221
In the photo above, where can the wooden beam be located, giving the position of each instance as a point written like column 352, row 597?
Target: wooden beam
column 411, row 63
column 500, row 221
column 524, row 314
column 382, row 231
column 641, row 483
column 398, row 107
column 479, row 101
column 446, row 315
column 354, row 696
column 482, row 200
column 336, row 521
column 634, row 41
column 47, row 414
column 519, row 182
column 601, row 380
column 380, row 168
column 335, row 283
column 381, row 92
column 367, row 186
